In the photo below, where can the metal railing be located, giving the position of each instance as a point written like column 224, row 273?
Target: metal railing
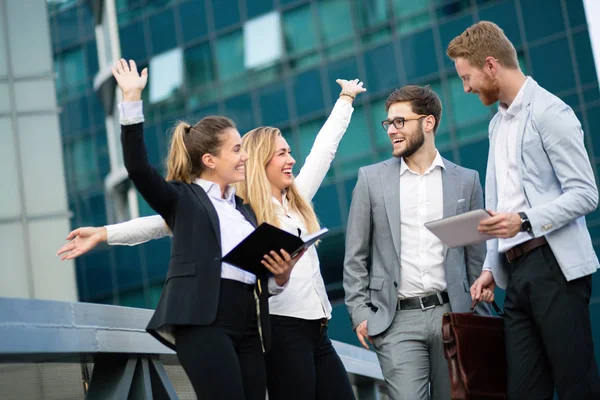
column 47, row 347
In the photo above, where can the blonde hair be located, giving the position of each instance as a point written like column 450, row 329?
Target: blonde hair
column 189, row 143
column 256, row 188
column 482, row 40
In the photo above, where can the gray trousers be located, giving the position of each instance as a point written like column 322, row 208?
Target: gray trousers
column 411, row 355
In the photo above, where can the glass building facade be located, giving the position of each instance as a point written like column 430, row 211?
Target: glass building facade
column 274, row 62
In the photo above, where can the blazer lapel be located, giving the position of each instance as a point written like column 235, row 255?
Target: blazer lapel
column 246, row 211
column 450, row 189
column 212, row 213
column 390, row 182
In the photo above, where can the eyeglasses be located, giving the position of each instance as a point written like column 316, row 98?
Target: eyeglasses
column 399, row 122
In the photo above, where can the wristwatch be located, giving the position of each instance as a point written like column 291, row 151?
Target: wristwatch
column 525, row 224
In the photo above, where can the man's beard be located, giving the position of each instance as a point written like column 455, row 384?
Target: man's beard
column 490, row 92
column 414, row 143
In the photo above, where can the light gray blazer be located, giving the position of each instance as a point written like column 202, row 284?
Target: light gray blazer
column 557, row 179
column 372, row 259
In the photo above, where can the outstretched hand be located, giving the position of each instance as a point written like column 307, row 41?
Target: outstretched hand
column 82, row 240
column 129, row 80
column 353, row 87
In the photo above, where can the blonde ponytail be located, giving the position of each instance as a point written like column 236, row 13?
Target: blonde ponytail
column 179, row 165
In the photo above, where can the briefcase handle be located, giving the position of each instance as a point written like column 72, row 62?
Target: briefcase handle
column 496, row 307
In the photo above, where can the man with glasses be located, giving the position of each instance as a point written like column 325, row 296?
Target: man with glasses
column 399, row 279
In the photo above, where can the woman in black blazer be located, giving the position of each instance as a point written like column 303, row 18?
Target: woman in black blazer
column 209, row 312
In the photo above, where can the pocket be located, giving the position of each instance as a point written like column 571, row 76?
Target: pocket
column 376, row 283
column 177, row 270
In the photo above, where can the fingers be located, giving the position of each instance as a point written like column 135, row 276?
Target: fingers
column 73, row 234
column 133, row 67
column 476, row 290
column 487, row 295
column 124, row 65
column 361, row 339
column 65, row 249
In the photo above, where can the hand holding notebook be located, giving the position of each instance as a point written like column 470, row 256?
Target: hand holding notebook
column 249, row 252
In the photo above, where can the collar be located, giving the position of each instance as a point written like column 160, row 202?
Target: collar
column 213, row 190
column 517, row 104
column 437, row 162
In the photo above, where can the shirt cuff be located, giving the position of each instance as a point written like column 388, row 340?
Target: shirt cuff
column 131, row 112
column 274, row 288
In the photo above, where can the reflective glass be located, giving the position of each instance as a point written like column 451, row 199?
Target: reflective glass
column 465, row 107
column 225, row 14
column 356, row 140
column 418, row 55
column 255, row 8
column 198, row 65
column 504, row 14
column 273, row 105
column 546, row 73
column 299, row 30
column 542, row 18
column 371, row 13
column 192, row 18
column 240, row 110
column 162, row 32
column 381, row 68
column 411, row 15
column 133, row 42
column 335, row 20
column 307, row 133
column 308, row 93
column 230, row 55
column 585, row 57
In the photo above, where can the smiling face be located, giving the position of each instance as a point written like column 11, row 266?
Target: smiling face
column 407, row 140
column 479, row 81
column 229, row 164
column 279, row 167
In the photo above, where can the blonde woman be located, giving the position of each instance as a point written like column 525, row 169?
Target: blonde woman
column 302, row 363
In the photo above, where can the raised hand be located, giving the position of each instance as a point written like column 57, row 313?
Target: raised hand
column 350, row 89
column 82, row 240
column 129, row 80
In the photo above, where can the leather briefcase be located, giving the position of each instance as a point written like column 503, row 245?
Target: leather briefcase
column 474, row 348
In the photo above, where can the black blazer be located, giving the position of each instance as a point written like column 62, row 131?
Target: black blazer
column 191, row 292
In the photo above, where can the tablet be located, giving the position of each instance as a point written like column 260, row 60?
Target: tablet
column 460, row 230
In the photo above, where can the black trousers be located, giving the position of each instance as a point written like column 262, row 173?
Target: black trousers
column 548, row 332
column 302, row 363
column 225, row 359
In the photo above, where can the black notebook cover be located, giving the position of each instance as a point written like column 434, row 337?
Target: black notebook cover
column 248, row 254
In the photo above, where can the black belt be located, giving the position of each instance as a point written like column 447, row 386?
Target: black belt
column 423, row 303
column 249, row 287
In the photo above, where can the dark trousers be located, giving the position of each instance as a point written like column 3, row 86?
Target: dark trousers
column 225, row 359
column 302, row 363
column 548, row 332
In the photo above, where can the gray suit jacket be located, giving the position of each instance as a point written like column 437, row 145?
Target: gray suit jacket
column 372, row 260
column 558, row 182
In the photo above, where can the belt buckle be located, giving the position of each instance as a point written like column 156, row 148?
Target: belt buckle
column 423, row 307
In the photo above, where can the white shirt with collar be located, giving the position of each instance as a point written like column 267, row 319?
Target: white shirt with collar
column 421, row 252
column 305, row 295
column 511, row 197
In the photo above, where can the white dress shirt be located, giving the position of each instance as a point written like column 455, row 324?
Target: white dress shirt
column 509, row 187
column 304, row 295
column 421, row 252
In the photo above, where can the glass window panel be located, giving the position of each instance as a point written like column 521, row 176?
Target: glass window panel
column 9, row 195
column 45, row 195
column 255, row 8
column 356, row 139
column 340, row 49
column 192, row 18
column 412, row 15
column 371, row 13
column 418, row 54
column 67, row 27
column 450, row 30
column 92, row 59
column 101, row 150
column 133, row 41
column 350, row 167
column 576, row 13
column 381, row 69
column 76, row 114
column 198, row 65
column 585, row 57
column 162, row 31
column 591, row 95
column 475, row 156
column 331, row 255
column 157, row 254
column 98, row 274
column 167, row 78
column 307, row 133
column 225, row 13
column 378, row 114
column 13, row 265
column 308, row 93
column 87, row 20
column 465, row 107
column 5, row 103
column 452, row 8
column 98, row 117
column 299, row 30
column 326, row 203
column 546, row 73
column 129, row 270
column 133, row 298
column 240, row 110
column 343, row 69
column 73, row 72
column 273, row 105
column 83, row 156
column 3, row 54
column 28, row 20
column 335, row 20
column 35, row 95
column 230, row 55
column 542, row 18
column 263, row 41
column 504, row 14
column 593, row 117
column 478, row 130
